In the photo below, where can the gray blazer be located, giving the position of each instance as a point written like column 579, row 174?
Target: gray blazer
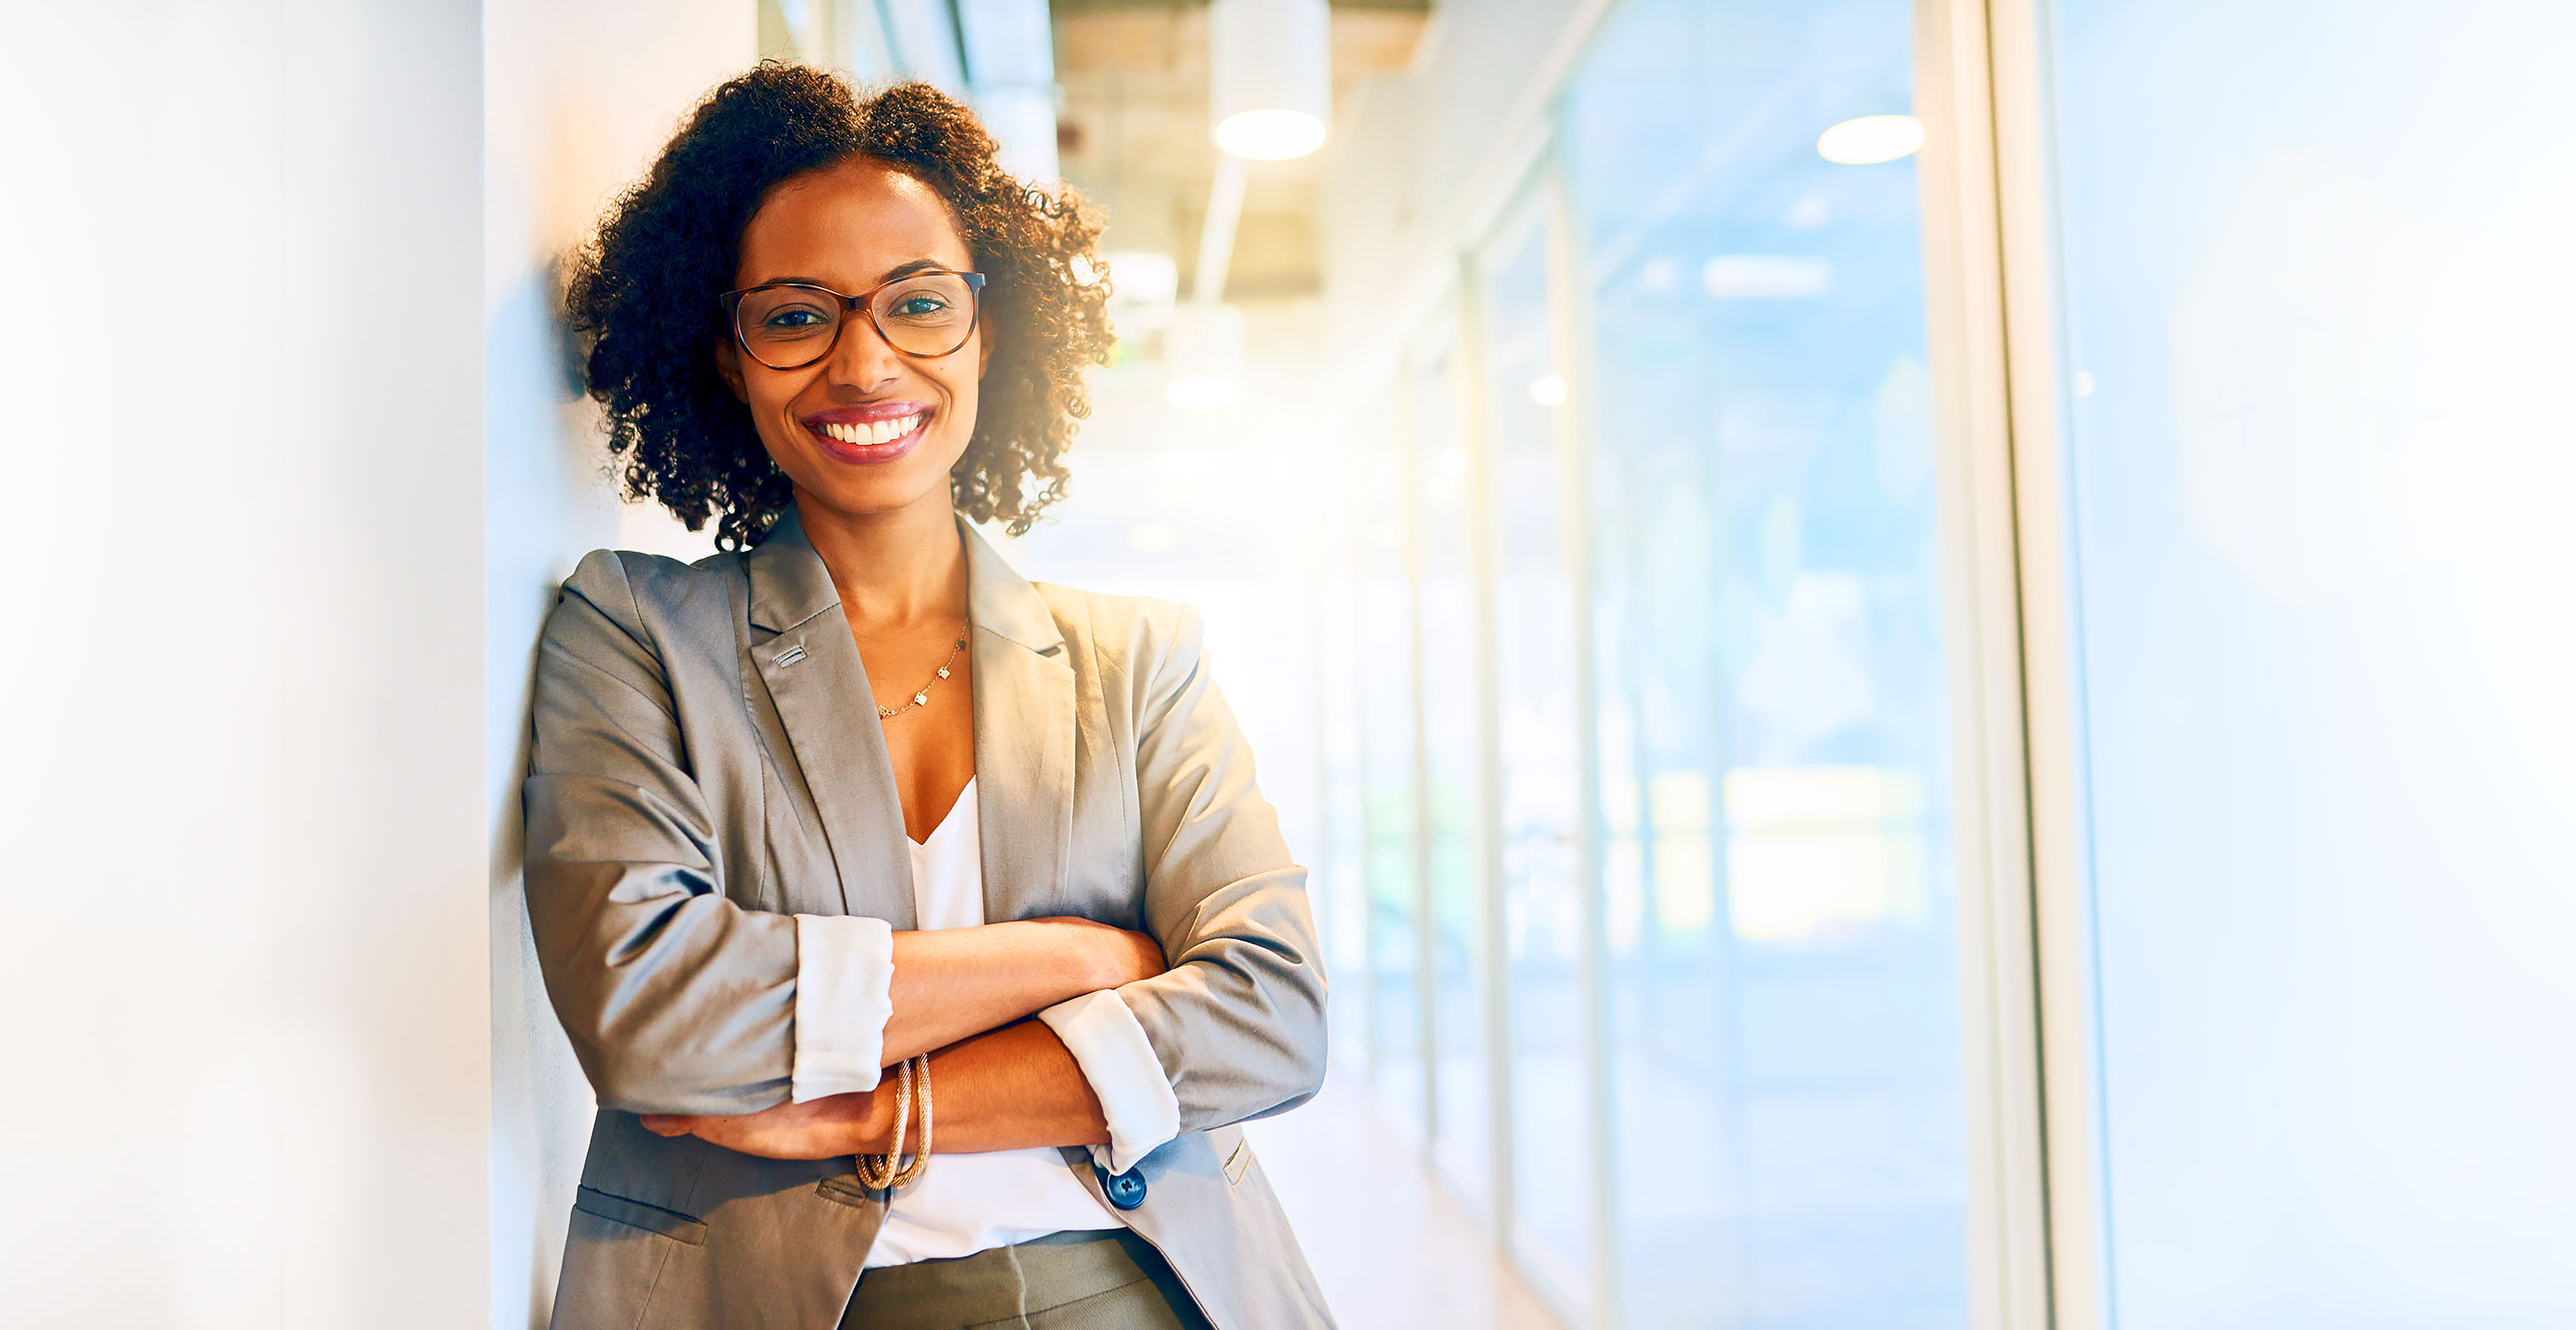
column 707, row 764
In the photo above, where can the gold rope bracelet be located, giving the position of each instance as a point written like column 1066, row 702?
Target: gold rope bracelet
column 882, row 1172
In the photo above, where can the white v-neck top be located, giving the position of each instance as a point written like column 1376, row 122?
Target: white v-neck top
column 965, row 1203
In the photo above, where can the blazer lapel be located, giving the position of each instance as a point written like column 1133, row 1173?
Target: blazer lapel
column 816, row 680
column 1024, row 719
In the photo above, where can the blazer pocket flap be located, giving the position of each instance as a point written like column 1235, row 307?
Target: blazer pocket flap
column 636, row 1214
column 1238, row 1161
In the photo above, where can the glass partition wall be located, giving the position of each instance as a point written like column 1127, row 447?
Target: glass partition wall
column 1763, row 767
column 2315, row 440
column 1534, row 723
column 1680, row 881
column 1381, row 682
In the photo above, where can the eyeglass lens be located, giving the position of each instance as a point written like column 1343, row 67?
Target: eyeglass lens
column 787, row 327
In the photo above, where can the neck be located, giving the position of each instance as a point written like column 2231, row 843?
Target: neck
column 893, row 569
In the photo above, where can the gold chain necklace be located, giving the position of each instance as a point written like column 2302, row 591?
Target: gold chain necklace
column 922, row 696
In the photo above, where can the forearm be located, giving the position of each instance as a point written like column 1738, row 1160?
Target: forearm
column 951, row 984
column 1005, row 1089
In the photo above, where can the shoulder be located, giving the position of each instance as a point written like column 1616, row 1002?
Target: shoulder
column 1140, row 637
column 648, row 596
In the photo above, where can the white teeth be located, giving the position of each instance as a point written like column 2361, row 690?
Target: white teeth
column 869, row 433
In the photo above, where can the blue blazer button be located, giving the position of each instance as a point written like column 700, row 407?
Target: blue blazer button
column 1126, row 1190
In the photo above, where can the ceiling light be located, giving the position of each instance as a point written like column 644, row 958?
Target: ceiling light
column 1270, row 135
column 1872, row 138
column 1270, row 76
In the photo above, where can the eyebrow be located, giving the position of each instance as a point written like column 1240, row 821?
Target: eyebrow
column 897, row 272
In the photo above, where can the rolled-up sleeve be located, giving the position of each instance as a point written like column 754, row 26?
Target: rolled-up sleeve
column 844, row 996
column 676, row 1000
column 1237, row 1022
column 1119, row 1063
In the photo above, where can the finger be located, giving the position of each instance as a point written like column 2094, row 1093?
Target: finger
column 668, row 1124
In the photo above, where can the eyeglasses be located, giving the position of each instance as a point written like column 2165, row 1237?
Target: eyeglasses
column 789, row 325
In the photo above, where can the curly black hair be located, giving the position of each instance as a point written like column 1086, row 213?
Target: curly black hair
column 643, row 295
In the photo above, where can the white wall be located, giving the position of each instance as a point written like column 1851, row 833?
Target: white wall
column 276, row 1057
column 243, row 1066
column 578, row 96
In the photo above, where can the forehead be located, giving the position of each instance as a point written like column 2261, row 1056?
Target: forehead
column 846, row 226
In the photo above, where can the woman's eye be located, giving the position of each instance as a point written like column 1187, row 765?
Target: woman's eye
column 793, row 319
column 914, row 307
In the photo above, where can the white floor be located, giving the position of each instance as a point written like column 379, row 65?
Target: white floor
column 1391, row 1248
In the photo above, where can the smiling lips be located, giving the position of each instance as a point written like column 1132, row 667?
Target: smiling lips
column 869, row 441
column 873, row 431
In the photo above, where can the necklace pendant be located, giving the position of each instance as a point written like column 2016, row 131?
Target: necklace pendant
column 921, row 699
column 943, row 671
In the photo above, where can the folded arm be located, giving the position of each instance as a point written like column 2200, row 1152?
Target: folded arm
column 1234, row 1029
column 676, row 999
column 1236, row 1023
column 1005, row 1089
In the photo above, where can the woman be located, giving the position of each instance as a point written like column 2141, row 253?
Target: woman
column 1026, row 940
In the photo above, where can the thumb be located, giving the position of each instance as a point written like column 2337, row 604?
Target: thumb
column 668, row 1124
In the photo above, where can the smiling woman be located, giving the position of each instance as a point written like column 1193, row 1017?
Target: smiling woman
column 645, row 296
column 1040, row 877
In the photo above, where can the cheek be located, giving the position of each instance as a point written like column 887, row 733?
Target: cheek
column 772, row 399
column 769, row 401
column 961, row 381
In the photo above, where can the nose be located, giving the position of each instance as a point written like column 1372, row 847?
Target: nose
column 862, row 358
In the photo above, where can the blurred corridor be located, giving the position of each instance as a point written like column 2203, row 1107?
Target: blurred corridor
column 1639, row 573
column 1694, row 888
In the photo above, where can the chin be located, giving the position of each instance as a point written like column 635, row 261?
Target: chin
column 874, row 496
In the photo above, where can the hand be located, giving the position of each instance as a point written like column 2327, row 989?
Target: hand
column 823, row 1128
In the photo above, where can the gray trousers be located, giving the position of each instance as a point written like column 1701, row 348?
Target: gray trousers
column 1105, row 1279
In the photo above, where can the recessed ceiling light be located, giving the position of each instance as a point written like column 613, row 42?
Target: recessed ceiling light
column 1270, row 135
column 1270, row 76
column 1871, row 138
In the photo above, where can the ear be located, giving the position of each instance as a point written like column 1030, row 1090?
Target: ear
column 983, row 353
column 729, row 368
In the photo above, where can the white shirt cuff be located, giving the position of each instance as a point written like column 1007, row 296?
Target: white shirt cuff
column 844, row 994
column 1110, row 1046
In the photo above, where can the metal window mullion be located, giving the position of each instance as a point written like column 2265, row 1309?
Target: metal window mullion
column 1985, row 268
column 1426, row 935
column 2070, row 1033
column 1570, row 331
column 1491, row 966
